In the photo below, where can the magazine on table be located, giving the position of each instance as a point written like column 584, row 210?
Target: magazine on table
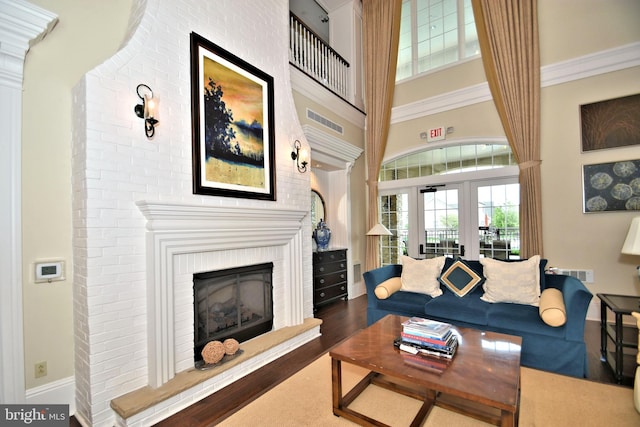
column 426, row 327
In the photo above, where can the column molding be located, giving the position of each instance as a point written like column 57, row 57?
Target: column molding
column 22, row 25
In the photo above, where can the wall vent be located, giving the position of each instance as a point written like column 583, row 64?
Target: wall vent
column 312, row 115
column 357, row 273
column 585, row 276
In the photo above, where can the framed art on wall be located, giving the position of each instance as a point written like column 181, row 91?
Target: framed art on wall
column 611, row 186
column 232, row 124
column 611, row 123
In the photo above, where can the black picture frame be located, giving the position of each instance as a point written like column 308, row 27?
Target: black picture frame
column 233, row 135
column 612, row 186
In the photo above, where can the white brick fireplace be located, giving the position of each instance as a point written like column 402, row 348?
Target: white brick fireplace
column 139, row 231
column 183, row 240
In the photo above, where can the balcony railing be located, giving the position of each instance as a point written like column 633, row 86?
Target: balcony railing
column 310, row 54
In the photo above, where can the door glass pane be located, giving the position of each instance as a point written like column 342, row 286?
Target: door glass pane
column 441, row 223
column 394, row 216
column 499, row 221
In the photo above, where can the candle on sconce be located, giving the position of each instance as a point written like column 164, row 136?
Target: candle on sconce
column 150, row 105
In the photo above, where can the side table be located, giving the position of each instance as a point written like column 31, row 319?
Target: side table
column 620, row 305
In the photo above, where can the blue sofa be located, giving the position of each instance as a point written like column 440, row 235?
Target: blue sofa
column 556, row 349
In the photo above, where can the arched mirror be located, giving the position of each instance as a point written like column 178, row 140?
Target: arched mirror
column 317, row 208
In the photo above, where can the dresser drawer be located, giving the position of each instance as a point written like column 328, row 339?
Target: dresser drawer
column 324, row 280
column 332, row 292
column 329, row 256
column 329, row 267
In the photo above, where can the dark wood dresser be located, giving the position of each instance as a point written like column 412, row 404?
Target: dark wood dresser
column 329, row 276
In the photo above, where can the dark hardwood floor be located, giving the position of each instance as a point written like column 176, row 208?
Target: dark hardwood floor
column 340, row 320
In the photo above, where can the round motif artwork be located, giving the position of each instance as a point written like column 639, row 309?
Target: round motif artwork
column 612, row 186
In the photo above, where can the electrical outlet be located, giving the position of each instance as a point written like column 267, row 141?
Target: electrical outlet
column 40, row 369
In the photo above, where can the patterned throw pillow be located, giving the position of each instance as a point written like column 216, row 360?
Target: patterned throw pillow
column 460, row 278
column 421, row 275
column 515, row 282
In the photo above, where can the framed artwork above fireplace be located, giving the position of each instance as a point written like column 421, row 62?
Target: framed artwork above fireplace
column 232, row 124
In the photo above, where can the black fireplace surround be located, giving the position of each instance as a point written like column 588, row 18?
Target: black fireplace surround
column 232, row 303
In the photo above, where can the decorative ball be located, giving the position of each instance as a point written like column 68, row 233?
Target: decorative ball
column 213, row 352
column 231, row 346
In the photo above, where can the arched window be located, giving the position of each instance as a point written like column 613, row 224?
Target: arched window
column 463, row 157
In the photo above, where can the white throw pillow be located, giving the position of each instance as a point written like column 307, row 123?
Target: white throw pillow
column 421, row 275
column 515, row 282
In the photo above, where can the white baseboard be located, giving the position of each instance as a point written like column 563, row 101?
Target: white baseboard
column 593, row 312
column 60, row 392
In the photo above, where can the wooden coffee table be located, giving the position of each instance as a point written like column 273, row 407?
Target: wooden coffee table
column 482, row 380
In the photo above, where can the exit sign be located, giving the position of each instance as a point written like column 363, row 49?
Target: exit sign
column 436, row 134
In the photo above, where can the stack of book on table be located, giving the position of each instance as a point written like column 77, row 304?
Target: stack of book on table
column 428, row 337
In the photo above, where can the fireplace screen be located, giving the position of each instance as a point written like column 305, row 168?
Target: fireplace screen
column 234, row 303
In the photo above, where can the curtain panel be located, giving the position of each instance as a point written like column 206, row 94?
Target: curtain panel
column 381, row 32
column 508, row 37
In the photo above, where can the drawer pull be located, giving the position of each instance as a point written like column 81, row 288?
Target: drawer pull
column 321, row 269
column 321, row 294
column 342, row 265
column 321, row 281
column 342, row 276
column 342, row 288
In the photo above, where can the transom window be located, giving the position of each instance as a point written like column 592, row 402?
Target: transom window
column 435, row 33
column 451, row 159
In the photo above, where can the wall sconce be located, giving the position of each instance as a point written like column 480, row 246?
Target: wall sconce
column 146, row 110
column 300, row 156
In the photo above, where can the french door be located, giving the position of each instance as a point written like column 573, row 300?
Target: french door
column 471, row 219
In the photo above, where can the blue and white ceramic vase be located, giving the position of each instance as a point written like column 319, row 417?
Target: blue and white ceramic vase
column 322, row 235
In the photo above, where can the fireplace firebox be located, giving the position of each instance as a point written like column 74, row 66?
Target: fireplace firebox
column 232, row 303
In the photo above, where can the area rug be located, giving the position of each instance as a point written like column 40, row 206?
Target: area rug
column 547, row 400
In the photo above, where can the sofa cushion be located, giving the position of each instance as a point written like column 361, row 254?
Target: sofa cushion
column 517, row 319
column 552, row 309
column 421, row 275
column 387, row 288
column 460, row 278
column 512, row 282
column 469, row 310
column 405, row 303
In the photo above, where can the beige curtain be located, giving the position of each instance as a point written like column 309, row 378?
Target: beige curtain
column 381, row 30
column 508, row 36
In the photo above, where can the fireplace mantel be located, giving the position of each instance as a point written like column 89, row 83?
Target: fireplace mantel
column 174, row 229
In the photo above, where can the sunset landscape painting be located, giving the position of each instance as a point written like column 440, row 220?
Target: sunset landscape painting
column 233, row 125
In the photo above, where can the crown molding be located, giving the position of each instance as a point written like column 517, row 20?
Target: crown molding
column 331, row 150
column 606, row 61
column 22, row 25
